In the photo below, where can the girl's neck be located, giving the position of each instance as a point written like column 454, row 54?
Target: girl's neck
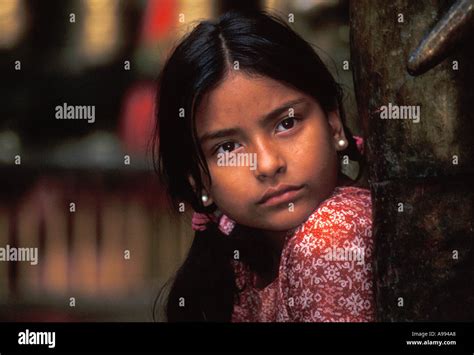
column 276, row 240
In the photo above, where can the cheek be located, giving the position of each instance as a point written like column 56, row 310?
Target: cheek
column 227, row 185
column 313, row 149
column 314, row 162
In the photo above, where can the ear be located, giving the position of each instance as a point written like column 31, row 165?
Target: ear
column 337, row 130
column 205, row 197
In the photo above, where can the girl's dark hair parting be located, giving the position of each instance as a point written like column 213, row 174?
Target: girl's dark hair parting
column 263, row 45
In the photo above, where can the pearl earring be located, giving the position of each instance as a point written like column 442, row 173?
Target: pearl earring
column 204, row 198
column 341, row 142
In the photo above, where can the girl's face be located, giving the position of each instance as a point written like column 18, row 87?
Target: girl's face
column 271, row 151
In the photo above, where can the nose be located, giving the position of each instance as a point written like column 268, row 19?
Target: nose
column 270, row 161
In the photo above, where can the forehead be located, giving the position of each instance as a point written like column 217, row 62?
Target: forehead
column 241, row 98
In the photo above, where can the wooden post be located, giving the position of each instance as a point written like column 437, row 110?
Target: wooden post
column 420, row 129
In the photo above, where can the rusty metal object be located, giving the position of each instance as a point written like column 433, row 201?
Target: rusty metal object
column 420, row 173
column 449, row 32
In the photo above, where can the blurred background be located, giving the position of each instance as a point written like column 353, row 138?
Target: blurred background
column 85, row 194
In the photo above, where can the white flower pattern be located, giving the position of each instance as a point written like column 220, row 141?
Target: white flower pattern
column 310, row 288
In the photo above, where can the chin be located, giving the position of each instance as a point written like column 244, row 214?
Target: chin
column 285, row 220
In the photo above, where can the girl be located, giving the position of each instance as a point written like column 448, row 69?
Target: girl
column 286, row 239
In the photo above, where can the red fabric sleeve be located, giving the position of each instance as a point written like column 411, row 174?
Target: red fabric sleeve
column 326, row 271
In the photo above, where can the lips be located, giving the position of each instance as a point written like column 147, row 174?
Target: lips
column 280, row 194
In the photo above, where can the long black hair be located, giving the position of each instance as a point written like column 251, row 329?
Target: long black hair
column 204, row 287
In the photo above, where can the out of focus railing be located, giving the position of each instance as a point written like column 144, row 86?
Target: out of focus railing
column 105, row 239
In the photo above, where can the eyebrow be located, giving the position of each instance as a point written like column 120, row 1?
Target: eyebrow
column 263, row 121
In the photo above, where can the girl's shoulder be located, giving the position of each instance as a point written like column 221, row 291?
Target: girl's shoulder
column 343, row 220
column 326, row 263
column 347, row 208
column 348, row 195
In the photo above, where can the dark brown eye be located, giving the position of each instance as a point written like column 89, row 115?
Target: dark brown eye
column 287, row 123
column 227, row 147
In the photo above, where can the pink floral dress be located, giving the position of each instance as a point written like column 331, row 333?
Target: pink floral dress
column 325, row 271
